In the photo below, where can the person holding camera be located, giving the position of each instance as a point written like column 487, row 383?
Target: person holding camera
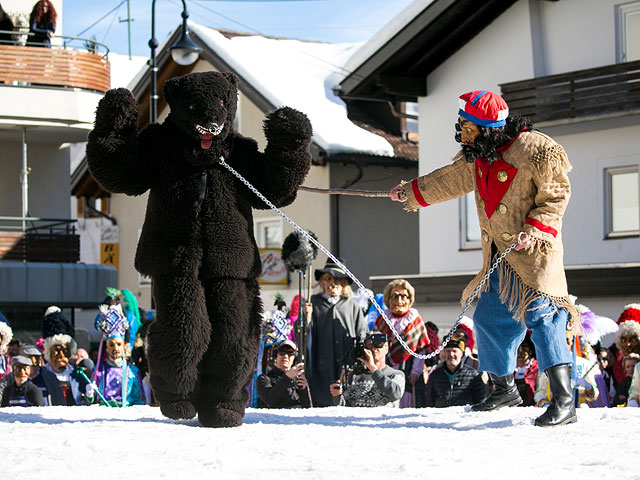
column 336, row 319
column 284, row 385
column 372, row 383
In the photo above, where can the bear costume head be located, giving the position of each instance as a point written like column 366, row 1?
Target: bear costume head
column 203, row 105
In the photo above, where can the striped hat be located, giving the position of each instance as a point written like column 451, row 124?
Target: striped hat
column 484, row 108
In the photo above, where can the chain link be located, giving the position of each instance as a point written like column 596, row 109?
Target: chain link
column 357, row 282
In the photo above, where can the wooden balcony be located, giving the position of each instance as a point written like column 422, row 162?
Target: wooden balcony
column 43, row 240
column 59, row 67
column 613, row 90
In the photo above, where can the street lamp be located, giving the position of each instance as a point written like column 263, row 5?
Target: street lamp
column 183, row 52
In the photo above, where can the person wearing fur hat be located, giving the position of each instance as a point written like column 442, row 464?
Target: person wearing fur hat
column 43, row 378
column 6, row 334
column 627, row 337
column 336, row 321
column 20, row 390
column 59, row 347
column 521, row 184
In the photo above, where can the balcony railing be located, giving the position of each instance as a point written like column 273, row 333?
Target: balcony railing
column 32, row 239
column 60, row 65
column 613, row 90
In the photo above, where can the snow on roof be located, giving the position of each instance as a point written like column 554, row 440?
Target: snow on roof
column 298, row 74
column 124, row 72
column 385, row 34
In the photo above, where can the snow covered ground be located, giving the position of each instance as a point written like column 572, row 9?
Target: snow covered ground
column 352, row 443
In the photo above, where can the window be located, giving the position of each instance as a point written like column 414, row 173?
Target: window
column 469, row 224
column 622, row 192
column 628, row 31
column 268, row 232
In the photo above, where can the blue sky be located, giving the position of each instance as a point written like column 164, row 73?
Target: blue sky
column 321, row 20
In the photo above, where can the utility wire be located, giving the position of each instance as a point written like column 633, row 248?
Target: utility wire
column 102, row 18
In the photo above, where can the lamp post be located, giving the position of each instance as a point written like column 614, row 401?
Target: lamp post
column 183, row 52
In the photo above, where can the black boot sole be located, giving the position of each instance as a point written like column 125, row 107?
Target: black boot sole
column 572, row 419
column 511, row 403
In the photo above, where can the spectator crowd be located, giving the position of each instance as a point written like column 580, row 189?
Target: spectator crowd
column 349, row 358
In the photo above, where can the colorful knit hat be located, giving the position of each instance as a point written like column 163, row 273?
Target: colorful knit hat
column 630, row 312
column 6, row 333
column 484, row 108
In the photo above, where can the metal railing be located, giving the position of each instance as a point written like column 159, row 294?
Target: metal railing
column 612, row 90
column 35, row 239
column 65, row 64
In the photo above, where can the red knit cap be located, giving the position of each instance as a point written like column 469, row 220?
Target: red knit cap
column 630, row 312
column 483, row 107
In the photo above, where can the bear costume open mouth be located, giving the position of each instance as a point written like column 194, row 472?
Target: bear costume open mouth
column 208, row 134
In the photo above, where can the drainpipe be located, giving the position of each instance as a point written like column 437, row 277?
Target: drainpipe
column 24, row 180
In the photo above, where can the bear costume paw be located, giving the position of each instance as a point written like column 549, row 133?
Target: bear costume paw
column 220, row 418
column 178, row 410
column 117, row 112
column 288, row 128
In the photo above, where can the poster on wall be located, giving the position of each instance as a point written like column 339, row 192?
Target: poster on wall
column 274, row 271
column 109, row 243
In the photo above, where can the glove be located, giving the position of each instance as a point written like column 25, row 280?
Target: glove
column 632, row 403
column 581, row 382
column 90, row 389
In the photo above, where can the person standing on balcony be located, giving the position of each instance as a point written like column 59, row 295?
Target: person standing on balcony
column 42, row 24
column 6, row 25
column 521, row 184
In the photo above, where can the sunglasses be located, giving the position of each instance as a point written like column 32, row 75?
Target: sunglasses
column 290, row 353
column 605, row 359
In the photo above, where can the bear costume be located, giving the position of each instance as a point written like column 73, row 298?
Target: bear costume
column 197, row 242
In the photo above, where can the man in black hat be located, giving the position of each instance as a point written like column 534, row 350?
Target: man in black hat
column 335, row 322
column 454, row 383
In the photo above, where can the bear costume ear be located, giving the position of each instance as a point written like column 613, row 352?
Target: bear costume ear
column 170, row 89
column 232, row 78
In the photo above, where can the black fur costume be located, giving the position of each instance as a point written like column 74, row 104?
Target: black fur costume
column 197, row 241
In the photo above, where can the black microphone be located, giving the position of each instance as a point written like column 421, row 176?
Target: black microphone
column 298, row 252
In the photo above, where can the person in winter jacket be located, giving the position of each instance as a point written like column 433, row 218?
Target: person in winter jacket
column 284, row 385
column 20, row 390
column 520, row 180
column 379, row 385
column 454, row 383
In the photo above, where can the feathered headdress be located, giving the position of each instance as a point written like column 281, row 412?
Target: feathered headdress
column 595, row 326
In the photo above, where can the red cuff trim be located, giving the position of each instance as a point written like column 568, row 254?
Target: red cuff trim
column 417, row 194
column 540, row 226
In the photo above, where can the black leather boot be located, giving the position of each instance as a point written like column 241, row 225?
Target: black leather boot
column 504, row 394
column 561, row 409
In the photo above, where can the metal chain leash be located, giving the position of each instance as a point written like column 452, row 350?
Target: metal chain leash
column 357, row 282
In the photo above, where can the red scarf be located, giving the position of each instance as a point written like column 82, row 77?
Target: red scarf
column 412, row 330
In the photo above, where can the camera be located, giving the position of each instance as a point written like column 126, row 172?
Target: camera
column 350, row 360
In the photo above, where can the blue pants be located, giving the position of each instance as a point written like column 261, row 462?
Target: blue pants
column 498, row 334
